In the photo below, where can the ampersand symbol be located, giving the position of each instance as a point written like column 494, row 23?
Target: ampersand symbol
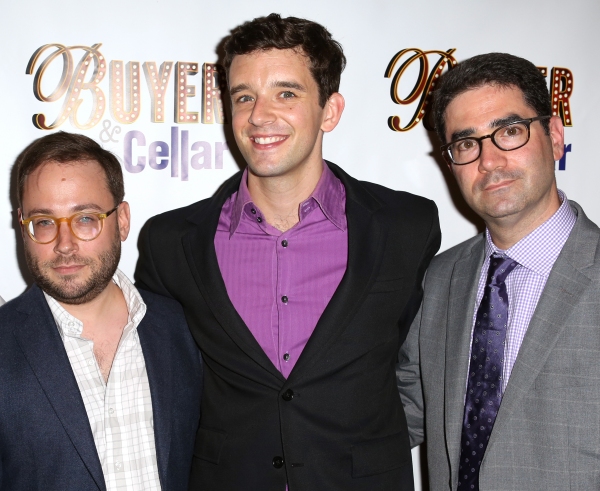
column 106, row 124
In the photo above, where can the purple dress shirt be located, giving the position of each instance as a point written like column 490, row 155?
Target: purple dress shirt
column 536, row 253
column 281, row 282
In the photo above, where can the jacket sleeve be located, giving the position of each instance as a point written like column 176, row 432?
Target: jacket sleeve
column 408, row 374
column 408, row 378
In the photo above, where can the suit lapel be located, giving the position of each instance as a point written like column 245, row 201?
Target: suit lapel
column 565, row 285
column 199, row 249
column 462, row 298
column 366, row 240
column 159, row 357
column 44, row 350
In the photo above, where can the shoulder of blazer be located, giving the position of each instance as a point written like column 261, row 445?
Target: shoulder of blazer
column 165, row 317
column 163, row 307
column 379, row 196
column 29, row 302
column 450, row 257
column 582, row 248
column 397, row 211
column 179, row 220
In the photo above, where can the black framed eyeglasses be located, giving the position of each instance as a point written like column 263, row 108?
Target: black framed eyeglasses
column 86, row 226
column 507, row 137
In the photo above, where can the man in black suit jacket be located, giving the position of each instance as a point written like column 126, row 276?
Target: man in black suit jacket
column 334, row 420
column 101, row 384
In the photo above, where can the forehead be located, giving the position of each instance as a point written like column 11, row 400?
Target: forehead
column 57, row 182
column 268, row 64
column 479, row 107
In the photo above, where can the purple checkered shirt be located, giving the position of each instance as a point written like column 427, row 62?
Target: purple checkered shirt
column 536, row 254
column 281, row 282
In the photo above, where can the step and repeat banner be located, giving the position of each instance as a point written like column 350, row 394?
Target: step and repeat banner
column 143, row 79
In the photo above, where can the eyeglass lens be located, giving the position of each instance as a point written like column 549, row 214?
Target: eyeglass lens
column 84, row 226
column 509, row 137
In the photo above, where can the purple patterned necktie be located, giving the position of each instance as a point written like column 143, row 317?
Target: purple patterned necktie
column 484, row 385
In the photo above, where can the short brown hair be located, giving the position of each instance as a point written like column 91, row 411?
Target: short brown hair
column 325, row 55
column 63, row 147
column 495, row 69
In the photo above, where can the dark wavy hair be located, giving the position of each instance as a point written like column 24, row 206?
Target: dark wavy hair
column 325, row 55
column 498, row 69
column 63, row 147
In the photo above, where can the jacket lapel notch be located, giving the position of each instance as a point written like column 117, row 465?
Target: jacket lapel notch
column 199, row 249
column 366, row 240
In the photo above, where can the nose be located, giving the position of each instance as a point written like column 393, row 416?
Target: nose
column 262, row 112
column 66, row 242
column 490, row 156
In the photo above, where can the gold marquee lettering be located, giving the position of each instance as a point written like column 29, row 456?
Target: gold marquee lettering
column 71, row 85
column 79, row 85
column 424, row 84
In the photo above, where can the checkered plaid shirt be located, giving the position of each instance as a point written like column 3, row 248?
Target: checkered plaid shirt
column 536, row 253
column 119, row 411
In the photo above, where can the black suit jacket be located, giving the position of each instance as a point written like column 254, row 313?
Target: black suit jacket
column 46, row 442
column 337, row 422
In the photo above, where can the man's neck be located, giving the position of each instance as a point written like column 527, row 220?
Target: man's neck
column 279, row 197
column 110, row 299
column 507, row 231
column 103, row 320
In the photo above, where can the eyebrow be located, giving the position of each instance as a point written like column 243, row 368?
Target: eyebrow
column 285, row 84
column 238, row 88
column 75, row 209
column 496, row 123
column 289, row 85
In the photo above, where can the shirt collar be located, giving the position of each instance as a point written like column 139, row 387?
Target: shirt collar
column 539, row 249
column 69, row 325
column 329, row 194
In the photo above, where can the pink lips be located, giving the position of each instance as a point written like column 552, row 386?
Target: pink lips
column 68, row 269
column 498, row 185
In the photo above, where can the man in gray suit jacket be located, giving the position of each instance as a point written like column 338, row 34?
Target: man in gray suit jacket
column 501, row 367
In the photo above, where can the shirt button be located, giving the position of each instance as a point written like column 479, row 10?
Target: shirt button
column 111, row 411
column 284, row 243
column 90, row 362
column 286, row 356
column 284, row 299
column 288, row 395
column 259, row 219
column 118, row 465
column 253, row 211
column 278, row 462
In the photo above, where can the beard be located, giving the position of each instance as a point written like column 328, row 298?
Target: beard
column 67, row 289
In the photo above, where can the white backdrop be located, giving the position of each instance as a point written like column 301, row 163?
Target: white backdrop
column 551, row 33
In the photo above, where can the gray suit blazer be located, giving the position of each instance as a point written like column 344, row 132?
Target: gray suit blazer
column 547, row 433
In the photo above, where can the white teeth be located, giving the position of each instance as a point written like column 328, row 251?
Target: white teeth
column 267, row 140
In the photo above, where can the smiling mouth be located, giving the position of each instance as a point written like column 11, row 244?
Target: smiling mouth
column 267, row 140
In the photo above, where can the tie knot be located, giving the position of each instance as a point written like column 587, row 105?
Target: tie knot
column 500, row 267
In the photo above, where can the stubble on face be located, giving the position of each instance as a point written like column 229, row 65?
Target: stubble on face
column 515, row 189
column 68, row 289
column 497, row 206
